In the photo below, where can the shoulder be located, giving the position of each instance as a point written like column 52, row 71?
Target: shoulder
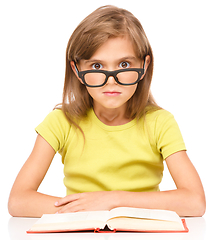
column 161, row 121
column 158, row 116
column 165, row 131
column 56, row 114
column 57, row 117
column 54, row 129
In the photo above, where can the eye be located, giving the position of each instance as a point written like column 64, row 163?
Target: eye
column 124, row 65
column 97, row 66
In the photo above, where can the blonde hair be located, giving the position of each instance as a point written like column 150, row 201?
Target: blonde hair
column 104, row 23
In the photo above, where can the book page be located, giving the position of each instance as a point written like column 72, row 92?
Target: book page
column 72, row 217
column 138, row 224
column 70, row 221
column 144, row 213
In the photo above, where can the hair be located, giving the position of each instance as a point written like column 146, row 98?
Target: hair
column 104, row 23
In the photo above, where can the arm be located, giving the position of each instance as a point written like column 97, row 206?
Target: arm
column 24, row 200
column 187, row 200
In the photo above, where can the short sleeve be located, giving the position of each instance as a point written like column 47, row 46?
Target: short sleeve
column 54, row 129
column 167, row 134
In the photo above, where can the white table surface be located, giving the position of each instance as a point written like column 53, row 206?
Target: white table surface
column 15, row 229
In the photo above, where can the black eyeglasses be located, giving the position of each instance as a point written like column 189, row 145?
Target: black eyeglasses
column 98, row 78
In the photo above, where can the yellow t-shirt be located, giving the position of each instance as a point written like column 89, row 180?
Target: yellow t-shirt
column 128, row 157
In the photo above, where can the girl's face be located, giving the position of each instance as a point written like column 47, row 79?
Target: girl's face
column 114, row 54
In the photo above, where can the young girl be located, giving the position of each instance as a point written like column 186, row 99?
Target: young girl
column 112, row 136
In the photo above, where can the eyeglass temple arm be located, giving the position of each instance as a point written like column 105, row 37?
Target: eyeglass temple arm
column 76, row 68
column 144, row 62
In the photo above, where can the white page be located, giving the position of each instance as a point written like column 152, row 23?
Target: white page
column 145, row 213
column 72, row 217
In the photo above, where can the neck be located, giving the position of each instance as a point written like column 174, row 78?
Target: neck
column 111, row 117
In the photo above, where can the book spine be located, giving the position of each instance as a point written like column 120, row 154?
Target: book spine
column 98, row 230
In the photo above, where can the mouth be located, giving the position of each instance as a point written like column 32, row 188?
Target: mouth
column 112, row 93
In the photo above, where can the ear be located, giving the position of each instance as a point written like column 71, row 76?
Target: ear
column 74, row 70
column 147, row 62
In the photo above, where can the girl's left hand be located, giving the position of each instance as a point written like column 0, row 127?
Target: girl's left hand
column 88, row 201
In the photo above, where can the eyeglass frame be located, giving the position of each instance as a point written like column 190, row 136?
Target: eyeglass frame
column 108, row 74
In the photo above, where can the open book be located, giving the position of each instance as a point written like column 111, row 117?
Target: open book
column 117, row 219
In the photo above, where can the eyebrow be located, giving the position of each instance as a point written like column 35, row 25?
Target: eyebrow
column 132, row 58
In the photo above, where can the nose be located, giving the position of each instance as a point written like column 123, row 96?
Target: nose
column 111, row 80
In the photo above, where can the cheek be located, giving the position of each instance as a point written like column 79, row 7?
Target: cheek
column 93, row 92
column 131, row 90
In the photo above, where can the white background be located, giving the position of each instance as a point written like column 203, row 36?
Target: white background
column 33, row 39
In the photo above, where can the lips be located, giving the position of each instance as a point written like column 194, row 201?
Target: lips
column 112, row 93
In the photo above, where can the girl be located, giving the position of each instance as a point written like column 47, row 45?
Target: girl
column 111, row 134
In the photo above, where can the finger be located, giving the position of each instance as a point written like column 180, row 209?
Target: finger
column 71, row 207
column 67, row 199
